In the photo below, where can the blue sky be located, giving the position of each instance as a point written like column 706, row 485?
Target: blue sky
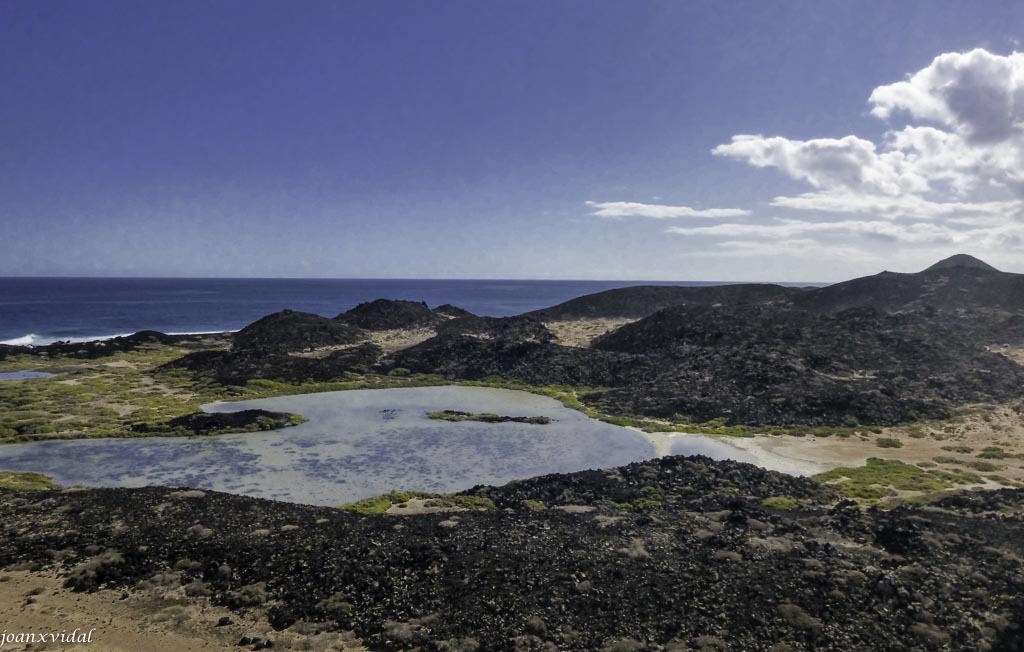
column 607, row 140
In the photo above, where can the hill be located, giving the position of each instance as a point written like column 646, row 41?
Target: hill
column 957, row 283
column 387, row 314
column 878, row 350
column 777, row 365
column 961, row 261
column 642, row 300
column 289, row 330
column 960, row 282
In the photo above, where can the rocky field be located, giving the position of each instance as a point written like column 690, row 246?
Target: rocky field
column 675, row 554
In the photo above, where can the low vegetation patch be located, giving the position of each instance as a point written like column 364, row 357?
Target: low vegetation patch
column 133, row 394
column 997, row 453
column 958, row 449
column 382, row 503
column 878, row 478
column 485, row 417
column 16, row 481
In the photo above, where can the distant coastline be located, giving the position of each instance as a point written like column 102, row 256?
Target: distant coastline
column 38, row 311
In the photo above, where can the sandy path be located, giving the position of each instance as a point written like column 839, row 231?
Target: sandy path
column 581, row 332
column 800, row 455
column 957, row 445
column 768, row 452
column 144, row 621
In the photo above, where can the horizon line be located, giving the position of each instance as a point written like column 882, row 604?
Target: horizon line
column 396, row 278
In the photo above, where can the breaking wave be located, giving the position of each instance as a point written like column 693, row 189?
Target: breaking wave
column 32, row 339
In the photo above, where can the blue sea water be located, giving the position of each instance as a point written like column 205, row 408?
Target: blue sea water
column 44, row 310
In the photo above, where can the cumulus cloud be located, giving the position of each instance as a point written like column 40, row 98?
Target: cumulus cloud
column 972, row 142
column 946, row 172
column 951, row 174
column 849, row 162
column 978, row 94
column 658, row 211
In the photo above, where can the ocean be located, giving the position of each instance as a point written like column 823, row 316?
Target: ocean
column 43, row 310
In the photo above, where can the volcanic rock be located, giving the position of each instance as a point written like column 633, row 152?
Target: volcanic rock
column 678, row 553
column 289, row 330
column 388, row 314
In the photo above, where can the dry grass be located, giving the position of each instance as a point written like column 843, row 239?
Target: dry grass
column 582, row 332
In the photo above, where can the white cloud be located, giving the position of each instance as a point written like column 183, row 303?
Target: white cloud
column 946, row 176
column 780, row 229
column 851, row 162
column 978, row 94
column 969, row 153
column 953, row 175
column 901, row 206
column 805, row 248
column 658, row 211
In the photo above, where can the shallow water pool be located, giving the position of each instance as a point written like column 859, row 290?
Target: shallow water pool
column 357, row 444
column 23, row 375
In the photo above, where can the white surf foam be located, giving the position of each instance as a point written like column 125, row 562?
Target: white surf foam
column 32, row 339
column 42, row 340
column 25, row 340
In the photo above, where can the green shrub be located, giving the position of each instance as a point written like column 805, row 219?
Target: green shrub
column 380, row 504
column 872, row 480
column 958, row 449
column 25, row 481
column 983, row 466
column 888, row 442
column 780, row 502
column 993, row 453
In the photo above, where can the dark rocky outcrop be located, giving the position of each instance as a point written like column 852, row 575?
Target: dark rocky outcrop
column 289, row 330
column 521, row 328
column 287, row 346
column 642, row 300
column 770, row 365
column 471, row 358
column 388, row 314
column 676, row 554
column 448, row 310
column 238, row 367
column 219, row 423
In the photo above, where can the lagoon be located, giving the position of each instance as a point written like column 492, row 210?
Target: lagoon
column 357, row 444
column 23, row 375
